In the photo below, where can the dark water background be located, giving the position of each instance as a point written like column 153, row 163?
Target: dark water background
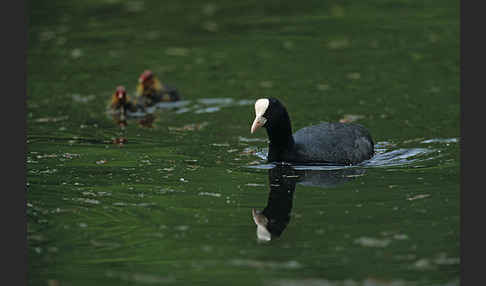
column 172, row 206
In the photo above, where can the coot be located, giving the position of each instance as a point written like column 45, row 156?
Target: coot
column 329, row 143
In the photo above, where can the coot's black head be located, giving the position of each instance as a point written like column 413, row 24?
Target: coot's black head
column 269, row 112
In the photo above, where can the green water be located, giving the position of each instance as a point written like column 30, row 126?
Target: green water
column 172, row 206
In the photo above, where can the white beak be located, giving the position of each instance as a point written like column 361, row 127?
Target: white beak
column 257, row 123
column 261, row 221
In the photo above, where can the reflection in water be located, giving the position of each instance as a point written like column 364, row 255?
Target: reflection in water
column 327, row 178
column 147, row 121
column 121, row 119
column 275, row 217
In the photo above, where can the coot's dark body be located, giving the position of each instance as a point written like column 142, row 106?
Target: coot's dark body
column 342, row 143
column 336, row 143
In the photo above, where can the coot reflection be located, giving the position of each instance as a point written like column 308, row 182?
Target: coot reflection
column 275, row 217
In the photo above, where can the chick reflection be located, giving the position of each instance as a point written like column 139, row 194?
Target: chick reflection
column 275, row 217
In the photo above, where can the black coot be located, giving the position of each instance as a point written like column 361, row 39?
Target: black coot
column 334, row 143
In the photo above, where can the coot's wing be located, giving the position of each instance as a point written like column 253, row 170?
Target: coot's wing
column 343, row 143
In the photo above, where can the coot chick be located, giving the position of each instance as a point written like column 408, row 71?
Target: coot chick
column 121, row 106
column 328, row 143
column 121, row 102
column 151, row 91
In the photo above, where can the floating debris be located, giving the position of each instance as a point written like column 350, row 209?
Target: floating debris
column 182, row 227
column 76, row 53
column 292, row 264
column 417, row 197
column 372, row 242
column 210, row 26
column 119, row 204
column 338, row 44
column 190, row 127
column 442, row 259
column 254, row 185
column 220, row 144
column 423, row 264
column 91, row 201
column 168, row 191
column 266, row 84
column 48, row 171
column 46, row 156
column 322, row 87
column 89, row 194
column 347, row 118
column 85, row 200
column 177, row 52
column 83, row 99
column 192, row 167
column 354, row 175
column 209, row 194
column 354, row 75
column 122, row 204
column 70, row 155
column 168, row 169
column 51, row 119
column 400, row 236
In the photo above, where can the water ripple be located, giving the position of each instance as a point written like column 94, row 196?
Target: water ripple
column 387, row 154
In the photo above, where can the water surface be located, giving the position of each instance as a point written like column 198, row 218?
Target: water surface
column 170, row 202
